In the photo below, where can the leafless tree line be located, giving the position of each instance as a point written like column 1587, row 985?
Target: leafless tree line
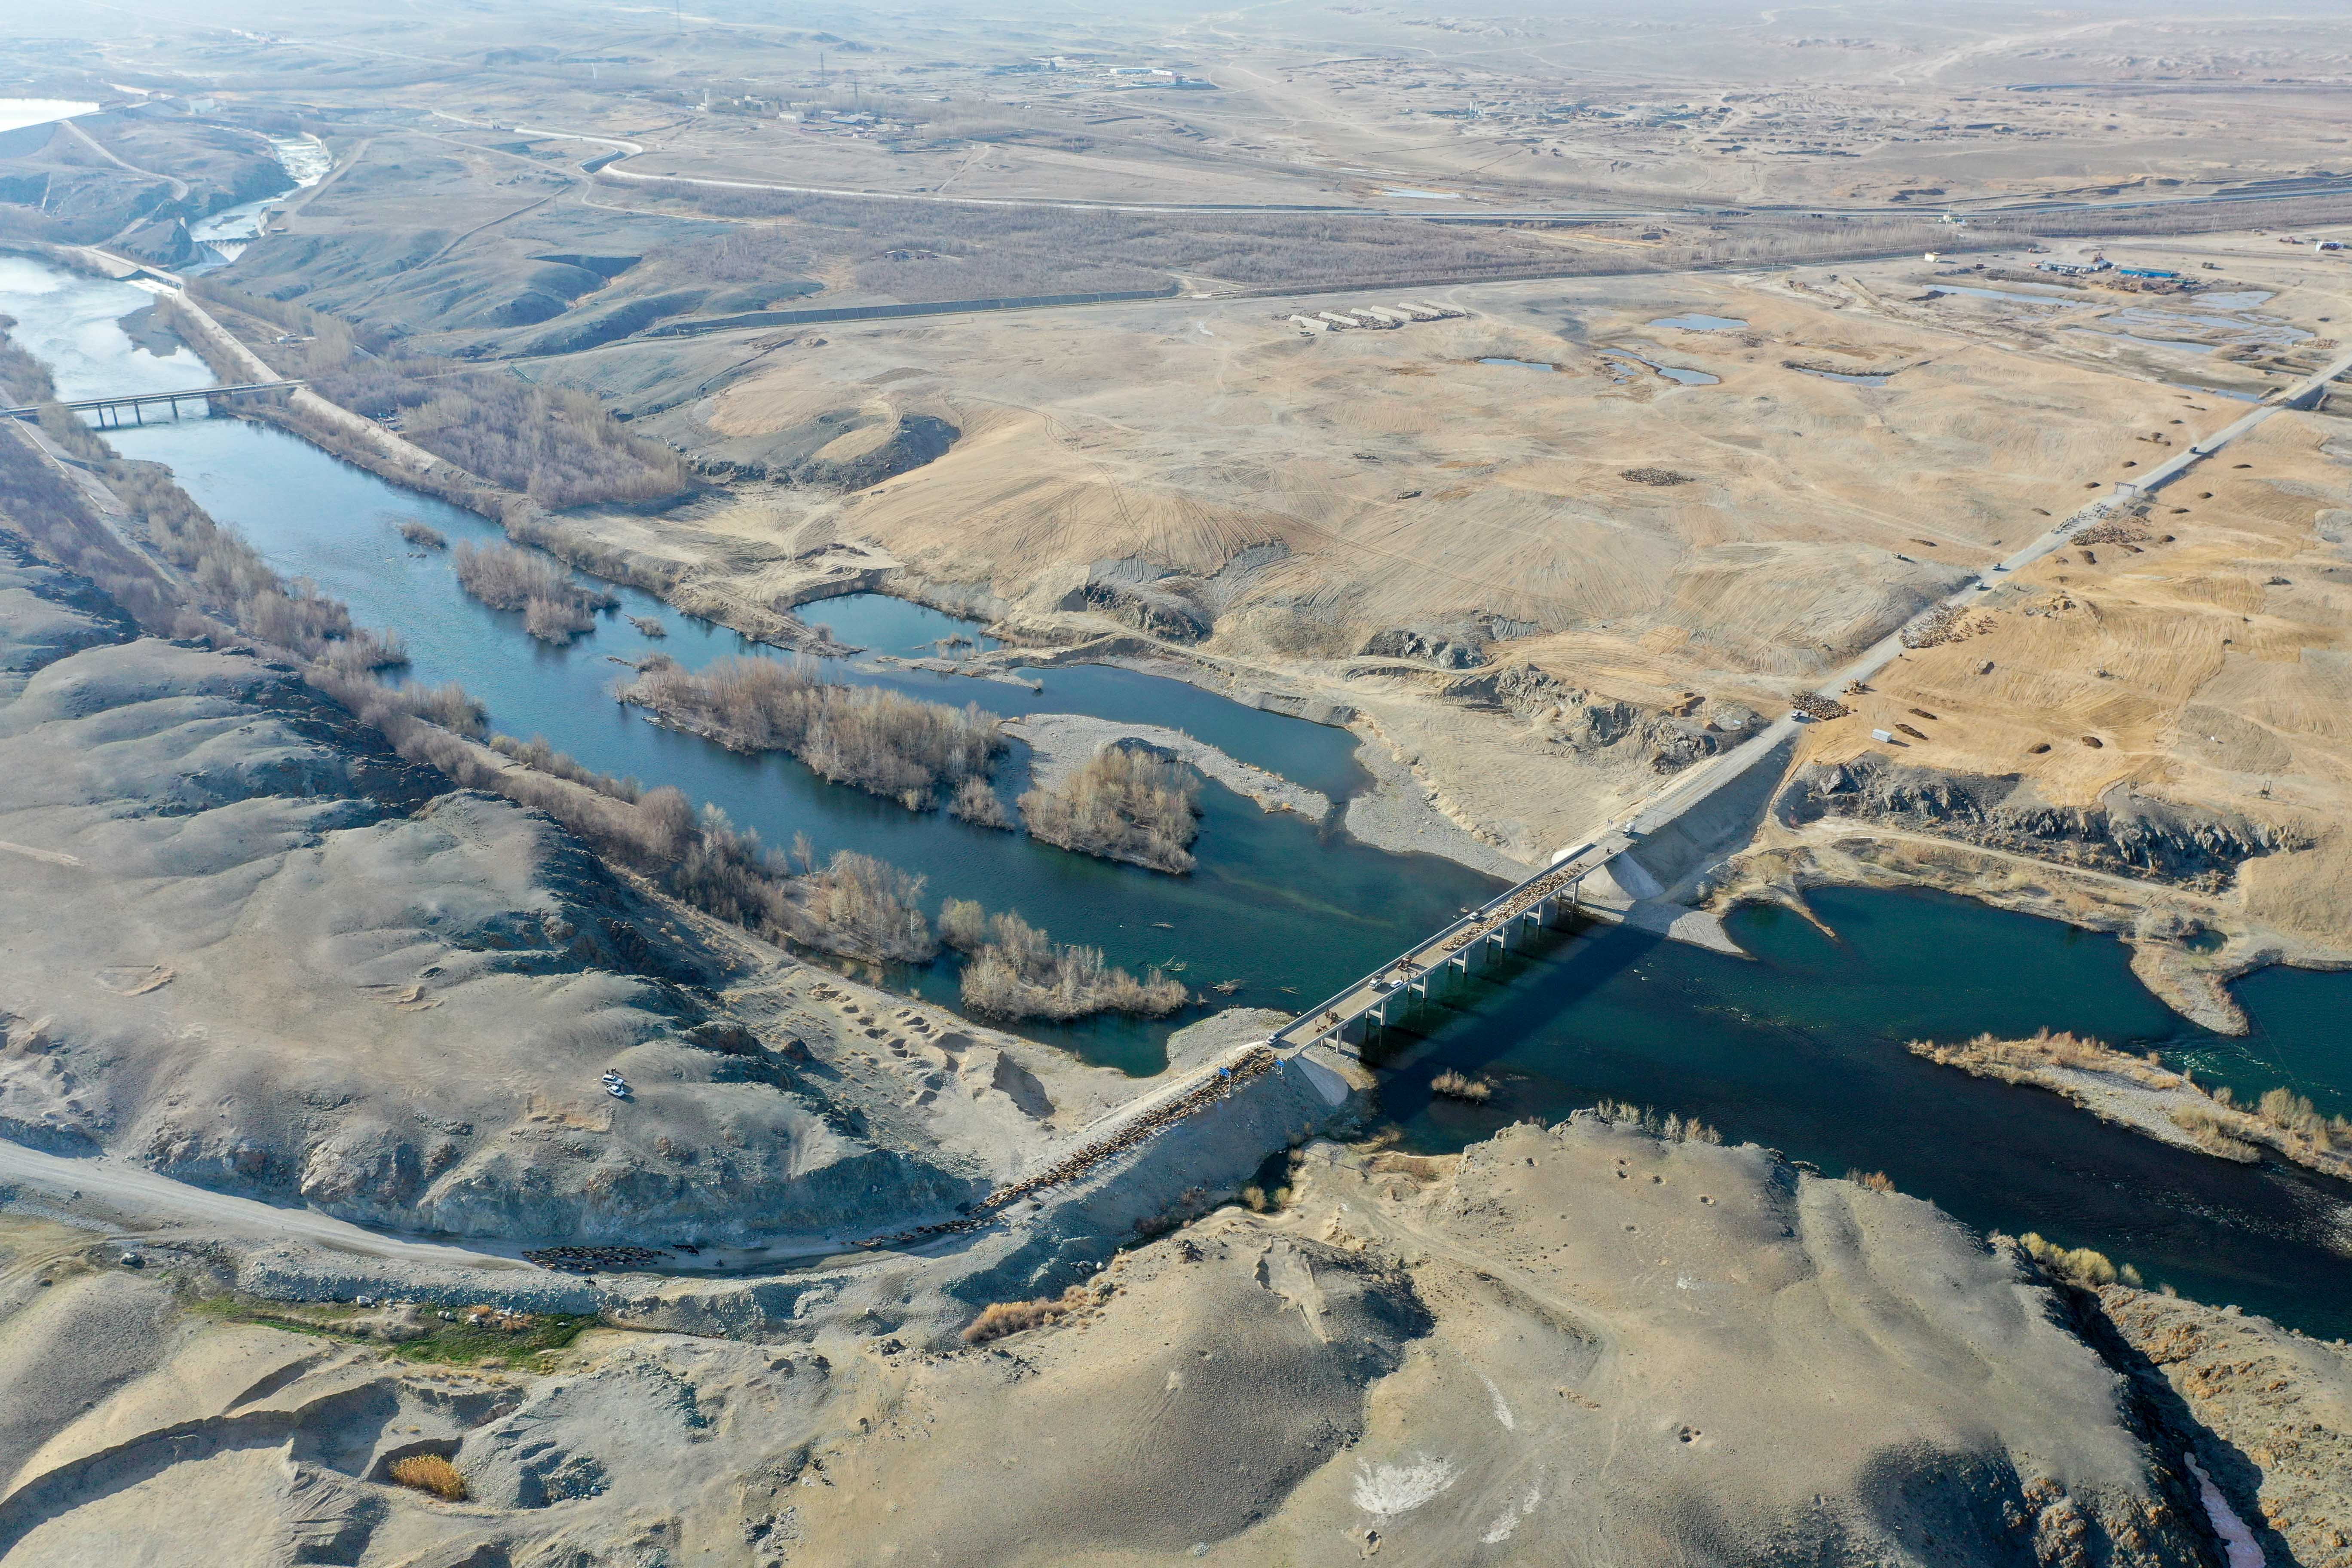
column 852, row 905
column 1121, row 804
column 229, row 583
column 556, row 445
column 1016, row 971
column 868, row 737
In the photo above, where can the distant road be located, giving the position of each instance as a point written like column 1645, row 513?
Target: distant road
column 1468, row 209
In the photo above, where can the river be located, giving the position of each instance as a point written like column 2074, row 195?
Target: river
column 1799, row 1047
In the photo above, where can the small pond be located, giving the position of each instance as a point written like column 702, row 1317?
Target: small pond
column 1694, row 322
column 1678, row 374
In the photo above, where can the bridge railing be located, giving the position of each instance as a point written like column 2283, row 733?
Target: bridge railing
column 1329, row 1003
column 136, row 399
column 1496, row 910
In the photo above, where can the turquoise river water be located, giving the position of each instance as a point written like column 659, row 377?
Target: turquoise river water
column 1800, row 1047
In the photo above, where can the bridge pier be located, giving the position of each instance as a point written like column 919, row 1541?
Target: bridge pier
column 105, row 413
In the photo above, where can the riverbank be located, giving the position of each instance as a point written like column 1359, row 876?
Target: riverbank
column 1283, row 914
column 2187, row 947
column 1060, row 744
column 1403, row 812
column 2167, row 1106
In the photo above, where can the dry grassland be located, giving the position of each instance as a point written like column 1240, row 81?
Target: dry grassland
column 1296, row 494
column 2214, row 670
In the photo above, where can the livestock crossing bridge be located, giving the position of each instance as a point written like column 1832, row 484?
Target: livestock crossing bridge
column 110, row 411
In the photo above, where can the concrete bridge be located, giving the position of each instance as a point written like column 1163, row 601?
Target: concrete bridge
column 1495, row 928
column 110, row 411
column 1546, row 900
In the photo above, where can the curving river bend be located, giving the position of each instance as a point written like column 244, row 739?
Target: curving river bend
column 1799, row 1047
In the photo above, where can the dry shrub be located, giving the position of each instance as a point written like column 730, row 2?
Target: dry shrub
column 977, row 804
column 2294, row 1113
column 537, row 753
column 1462, row 1086
column 2078, row 1264
column 856, row 901
column 2214, row 1120
column 963, row 925
column 2017, row 1061
column 2215, row 1131
column 424, row 535
column 1673, row 1129
column 999, row 1318
column 556, row 607
column 1876, row 1181
column 1016, row 971
column 868, row 737
column 449, row 705
column 556, row 620
column 557, row 445
column 1122, row 803
column 431, row 1473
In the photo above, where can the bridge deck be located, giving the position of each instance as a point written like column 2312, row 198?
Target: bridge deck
column 149, row 399
column 1490, row 921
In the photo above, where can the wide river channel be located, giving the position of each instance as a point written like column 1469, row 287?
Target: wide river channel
column 1800, row 1047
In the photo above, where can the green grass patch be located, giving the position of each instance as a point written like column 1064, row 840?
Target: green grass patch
column 502, row 1338
column 469, row 1344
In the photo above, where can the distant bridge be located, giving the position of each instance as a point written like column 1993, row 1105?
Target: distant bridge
column 137, row 403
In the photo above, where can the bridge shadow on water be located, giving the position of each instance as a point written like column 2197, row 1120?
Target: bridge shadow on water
column 1802, row 1048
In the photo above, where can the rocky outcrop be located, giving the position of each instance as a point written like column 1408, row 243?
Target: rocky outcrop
column 2126, row 833
column 1667, row 739
column 1426, row 646
column 871, row 454
column 2267, row 1412
column 1162, row 610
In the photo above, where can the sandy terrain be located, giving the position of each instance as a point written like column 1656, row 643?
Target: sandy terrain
column 1541, row 543
column 1588, row 1342
column 2166, row 713
column 314, row 977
